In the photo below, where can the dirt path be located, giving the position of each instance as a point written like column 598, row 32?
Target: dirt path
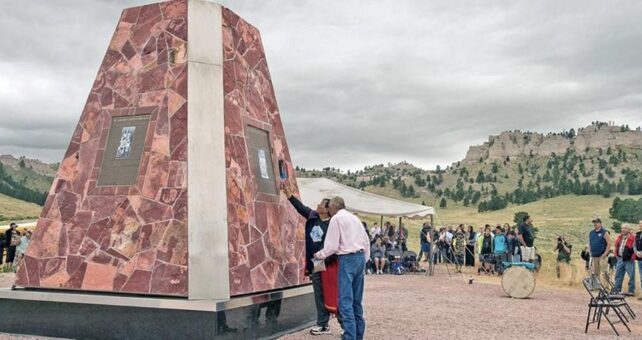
column 438, row 307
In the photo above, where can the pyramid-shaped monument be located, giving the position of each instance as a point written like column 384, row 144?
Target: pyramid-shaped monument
column 170, row 183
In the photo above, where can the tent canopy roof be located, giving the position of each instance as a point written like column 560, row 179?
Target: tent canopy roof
column 313, row 190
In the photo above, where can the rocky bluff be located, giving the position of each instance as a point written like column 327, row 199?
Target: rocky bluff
column 520, row 144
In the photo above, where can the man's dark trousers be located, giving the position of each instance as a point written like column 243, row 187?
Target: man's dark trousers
column 322, row 314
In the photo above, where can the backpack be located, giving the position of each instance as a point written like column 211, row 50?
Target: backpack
column 500, row 244
column 398, row 269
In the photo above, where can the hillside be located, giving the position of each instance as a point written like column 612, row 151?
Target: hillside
column 12, row 209
column 515, row 168
column 26, row 179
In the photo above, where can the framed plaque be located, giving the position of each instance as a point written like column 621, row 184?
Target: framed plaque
column 260, row 154
column 124, row 150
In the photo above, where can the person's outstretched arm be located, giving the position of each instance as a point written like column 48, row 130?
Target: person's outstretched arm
column 301, row 208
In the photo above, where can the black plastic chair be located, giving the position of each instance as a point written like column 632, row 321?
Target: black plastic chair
column 600, row 305
column 615, row 295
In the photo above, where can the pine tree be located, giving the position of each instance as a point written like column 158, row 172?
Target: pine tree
column 410, row 192
column 443, row 203
column 494, row 168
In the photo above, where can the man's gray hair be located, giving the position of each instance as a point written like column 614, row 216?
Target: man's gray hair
column 338, row 202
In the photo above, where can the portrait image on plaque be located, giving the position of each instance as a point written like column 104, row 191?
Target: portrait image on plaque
column 124, row 150
column 263, row 164
column 260, row 154
column 125, row 147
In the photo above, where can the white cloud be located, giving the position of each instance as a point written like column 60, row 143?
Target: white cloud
column 361, row 82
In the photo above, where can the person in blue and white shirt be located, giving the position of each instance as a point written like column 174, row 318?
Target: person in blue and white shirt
column 316, row 228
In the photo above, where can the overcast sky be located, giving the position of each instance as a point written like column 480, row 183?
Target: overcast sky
column 359, row 82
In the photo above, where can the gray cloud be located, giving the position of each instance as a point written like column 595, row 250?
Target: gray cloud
column 360, row 82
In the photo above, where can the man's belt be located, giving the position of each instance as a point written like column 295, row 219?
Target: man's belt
column 360, row 251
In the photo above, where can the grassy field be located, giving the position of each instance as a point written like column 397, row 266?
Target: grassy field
column 565, row 215
column 12, row 209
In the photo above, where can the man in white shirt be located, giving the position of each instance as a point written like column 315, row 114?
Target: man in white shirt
column 347, row 238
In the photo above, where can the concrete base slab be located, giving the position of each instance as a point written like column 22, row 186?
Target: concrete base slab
column 249, row 317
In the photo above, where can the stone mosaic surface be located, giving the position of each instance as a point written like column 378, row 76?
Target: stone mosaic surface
column 123, row 238
column 133, row 239
column 266, row 241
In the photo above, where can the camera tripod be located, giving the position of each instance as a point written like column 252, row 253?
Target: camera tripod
column 444, row 254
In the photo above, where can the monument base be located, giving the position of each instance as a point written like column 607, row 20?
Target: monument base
column 95, row 316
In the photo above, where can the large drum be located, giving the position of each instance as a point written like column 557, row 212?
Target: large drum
column 330, row 286
column 518, row 282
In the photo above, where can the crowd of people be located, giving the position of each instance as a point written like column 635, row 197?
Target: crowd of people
column 15, row 243
column 488, row 247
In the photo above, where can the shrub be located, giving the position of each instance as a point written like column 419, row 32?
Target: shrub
column 628, row 210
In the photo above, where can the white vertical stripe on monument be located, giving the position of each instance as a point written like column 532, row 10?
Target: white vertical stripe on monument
column 207, row 194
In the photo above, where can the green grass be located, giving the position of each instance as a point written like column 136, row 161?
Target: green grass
column 14, row 209
column 568, row 215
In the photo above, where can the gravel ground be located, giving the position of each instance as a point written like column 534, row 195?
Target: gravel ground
column 6, row 279
column 439, row 307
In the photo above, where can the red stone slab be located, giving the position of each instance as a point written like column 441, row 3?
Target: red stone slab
column 89, row 238
column 134, row 238
column 265, row 250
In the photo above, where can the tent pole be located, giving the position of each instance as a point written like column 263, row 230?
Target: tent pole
column 399, row 228
column 381, row 223
column 431, row 221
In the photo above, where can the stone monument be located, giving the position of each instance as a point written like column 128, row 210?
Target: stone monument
column 167, row 203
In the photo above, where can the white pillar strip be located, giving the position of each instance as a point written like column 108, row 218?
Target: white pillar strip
column 207, row 192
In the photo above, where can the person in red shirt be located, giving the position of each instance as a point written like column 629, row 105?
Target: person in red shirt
column 625, row 255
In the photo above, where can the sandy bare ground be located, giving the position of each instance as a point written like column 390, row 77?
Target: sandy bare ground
column 439, row 307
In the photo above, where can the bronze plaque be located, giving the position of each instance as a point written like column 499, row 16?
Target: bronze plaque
column 260, row 152
column 124, row 150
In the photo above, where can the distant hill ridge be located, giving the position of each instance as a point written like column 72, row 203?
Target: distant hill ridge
column 514, row 168
column 517, row 143
column 26, row 179
column 38, row 166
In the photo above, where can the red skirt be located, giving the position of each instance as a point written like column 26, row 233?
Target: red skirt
column 330, row 284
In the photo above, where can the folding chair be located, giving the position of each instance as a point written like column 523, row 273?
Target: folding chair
column 610, row 285
column 614, row 295
column 599, row 305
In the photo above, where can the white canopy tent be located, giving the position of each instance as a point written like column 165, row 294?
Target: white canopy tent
column 313, row 190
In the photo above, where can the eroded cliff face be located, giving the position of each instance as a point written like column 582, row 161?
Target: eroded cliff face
column 518, row 143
